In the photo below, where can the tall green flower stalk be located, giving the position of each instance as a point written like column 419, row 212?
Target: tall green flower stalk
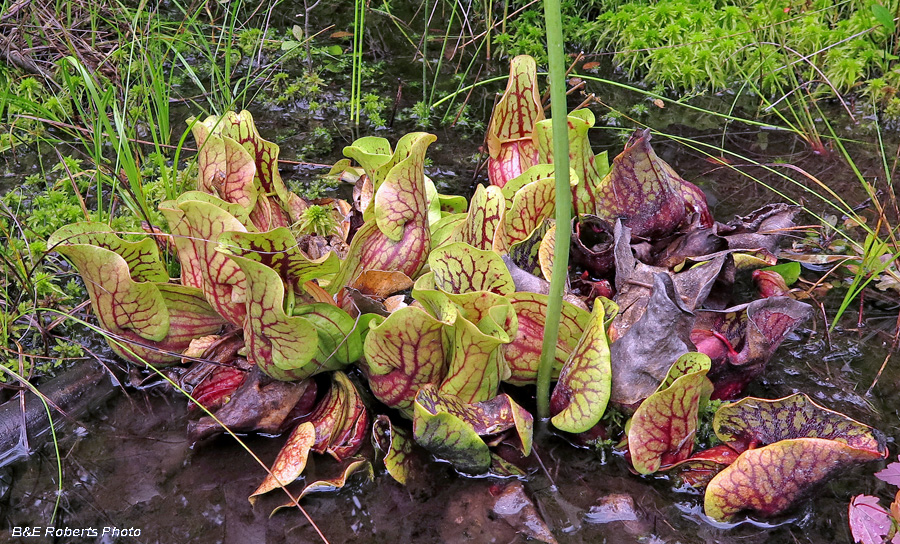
column 359, row 29
column 559, row 112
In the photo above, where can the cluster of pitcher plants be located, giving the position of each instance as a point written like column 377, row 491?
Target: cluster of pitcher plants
column 291, row 315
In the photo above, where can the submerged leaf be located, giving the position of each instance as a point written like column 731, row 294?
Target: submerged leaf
column 762, row 229
column 870, row 523
column 890, row 474
column 345, row 470
column 517, row 509
column 348, row 468
column 260, row 404
column 396, row 444
column 701, row 468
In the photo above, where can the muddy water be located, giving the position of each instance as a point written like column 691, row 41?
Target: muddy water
column 131, row 468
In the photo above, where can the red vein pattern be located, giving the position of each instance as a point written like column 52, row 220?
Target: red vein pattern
column 461, row 268
column 341, row 419
column 278, row 249
column 398, row 239
column 510, row 145
column 532, row 204
column 663, row 427
column 157, row 316
column 404, row 353
column 523, row 354
column 477, row 365
column 589, row 169
column 762, row 421
column 241, row 167
column 451, row 428
column 485, row 213
column 284, row 347
column 582, row 393
column 396, row 444
column 768, row 480
column 223, row 282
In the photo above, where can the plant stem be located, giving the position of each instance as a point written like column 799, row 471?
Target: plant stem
column 359, row 28
column 559, row 114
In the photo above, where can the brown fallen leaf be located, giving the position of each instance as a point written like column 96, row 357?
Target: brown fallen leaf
column 290, row 462
column 260, row 404
column 320, row 485
column 381, row 284
column 635, row 279
column 641, row 358
column 518, row 510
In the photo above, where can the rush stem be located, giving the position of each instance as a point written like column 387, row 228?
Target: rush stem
column 559, row 115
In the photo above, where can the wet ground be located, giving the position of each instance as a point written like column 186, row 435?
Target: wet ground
column 131, row 467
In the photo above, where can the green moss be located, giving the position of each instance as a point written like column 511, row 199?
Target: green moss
column 688, row 45
column 316, row 220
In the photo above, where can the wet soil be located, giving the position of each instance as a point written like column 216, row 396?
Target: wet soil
column 131, row 467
